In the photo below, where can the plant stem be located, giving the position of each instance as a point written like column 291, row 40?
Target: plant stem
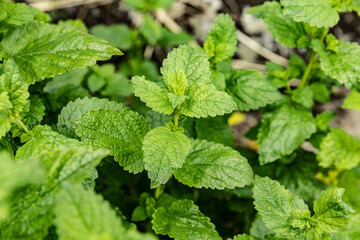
column 23, row 126
column 305, row 77
column 176, row 119
column 158, row 191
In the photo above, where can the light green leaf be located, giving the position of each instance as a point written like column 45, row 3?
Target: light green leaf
column 151, row 30
column 154, row 96
column 220, row 43
column 349, row 232
column 17, row 90
column 206, row 100
column 120, row 131
column 282, row 131
column 73, row 111
column 32, row 209
column 319, row 13
column 73, row 24
column 285, row 30
column 169, row 38
column 339, row 149
column 342, row 65
column 184, row 221
column 176, row 82
column 13, row 176
column 164, row 151
column 118, row 35
column 212, row 165
column 303, row 96
column 243, row 237
column 16, row 13
column 251, row 90
column 275, row 204
column 352, row 101
column 61, row 50
column 176, row 100
column 191, row 60
column 84, row 215
column 331, row 212
column 5, row 108
column 323, row 120
column 215, row 130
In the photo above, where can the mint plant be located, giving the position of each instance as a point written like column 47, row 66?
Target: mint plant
column 162, row 163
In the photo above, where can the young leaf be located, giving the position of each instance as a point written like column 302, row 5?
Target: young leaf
column 303, row 96
column 343, row 64
column 154, row 96
column 176, row 82
column 184, row 221
column 164, row 151
column 120, row 131
column 61, row 50
column 339, row 149
column 251, row 90
column 192, row 61
column 92, row 216
column 73, row 111
column 220, row 43
column 319, row 13
column 214, row 166
column 275, row 204
column 206, row 100
column 285, row 30
column 352, row 101
column 282, row 131
column 5, row 108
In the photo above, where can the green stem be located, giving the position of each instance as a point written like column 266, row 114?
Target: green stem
column 305, row 77
column 176, row 118
column 158, row 191
column 23, row 126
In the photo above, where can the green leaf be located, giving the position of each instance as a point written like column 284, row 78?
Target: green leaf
column 164, row 151
column 215, row 130
column 339, row 149
column 352, row 101
column 331, row 212
column 17, row 90
column 145, row 209
column 82, row 214
column 206, row 100
column 118, row 35
column 244, row 237
column 36, row 112
column 318, row 13
column 61, row 50
column 32, row 208
column 120, row 131
column 350, row 231
column 176, row 100
column 95, row 83
column 73, row 24
column 220, row 43
column 183, row 221
column 212, row 165
column 282, row 131
column 321, row 92
column 251, row 90
column 176, row 81
column 5, row 108
column 323, row 120
column 148, row 4
column 191, row 60
column 16, row 13
column 73, row 111
column 275, row 204
column 151, row 30
column 14, row 176
column 303, row 96
column 342, row 65
column 154, row 96
column 169, row 38
column 285, row 30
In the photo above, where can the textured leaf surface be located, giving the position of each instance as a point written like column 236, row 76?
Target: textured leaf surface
column 285, row 30
column 342, row 65
column 352, row 101
column 339, row 149
column 84, row 215
column 275, row 203
column 303, row 96
column 16, row 14
column 120, row 131
column 36, row 111
column 74, row 110
column 214, row 166
column 5, row 108
column 331, row 212
column 220, row 43
column 184, row 221
column 206, row 101
column 319, row 13
column 282, row 131
column 193, row 61
column 32, row 214
column 164, row 151
column 251, row 90
column 43, row 50
column 154, row 96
